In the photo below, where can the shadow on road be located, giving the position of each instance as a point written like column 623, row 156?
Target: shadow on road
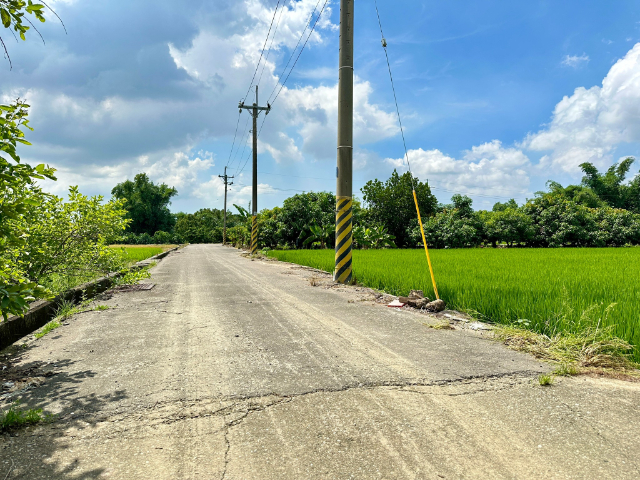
column 32, row 452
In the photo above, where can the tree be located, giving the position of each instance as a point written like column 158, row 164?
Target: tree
column 70, row 238
column 12, row 15
column 500, row 207
column 204, row 226
column 302, row 211
column 18, row 192
column 455, row 226
column 391, row 204
column 609, row 187
column 147, row 204
column 510, row 226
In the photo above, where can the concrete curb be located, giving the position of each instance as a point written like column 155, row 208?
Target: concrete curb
column 43, row 311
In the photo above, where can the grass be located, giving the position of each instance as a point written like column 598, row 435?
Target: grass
column 133, row 277
column 57, row 283
column 49, row 327
column 547, row 291
column 65, row 310
column 137, row 253
column 546, row 380
column 16, row 417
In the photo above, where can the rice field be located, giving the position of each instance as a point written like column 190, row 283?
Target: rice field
column 547, row 290
column 137, row 253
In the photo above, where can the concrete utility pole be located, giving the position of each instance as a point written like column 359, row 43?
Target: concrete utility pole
column 226, row 183
column 344, row 172
column 255, row 111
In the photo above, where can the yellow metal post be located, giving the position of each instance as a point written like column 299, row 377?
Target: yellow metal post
column 426, row 249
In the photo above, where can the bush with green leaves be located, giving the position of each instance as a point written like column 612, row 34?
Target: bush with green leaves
column 19, row 193
column 69, row 237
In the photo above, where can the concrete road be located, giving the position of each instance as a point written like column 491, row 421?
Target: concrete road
column 238, row 369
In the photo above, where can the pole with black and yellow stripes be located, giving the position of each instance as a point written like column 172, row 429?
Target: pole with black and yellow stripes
column 344, row 172
column 255, row 110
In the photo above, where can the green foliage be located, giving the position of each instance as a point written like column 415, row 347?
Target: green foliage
column 67, row 238
column 18, row 194
column 609, row 187
column 133, row 277
column 545, row 380
column 556, row 290
column 12, row 16
column 509, row 225
column 133, row 255
column 204, row 226
column 49, row 327
column 146, row 204
column 391, row 204
column 17, row 417
column 238, row 236
column 320, row 235
column 158, row 238
column 372, row 237
column 304, row 210
column 455, row 226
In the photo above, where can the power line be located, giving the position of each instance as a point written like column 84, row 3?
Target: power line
column 301, row 50
column 293, row 52
column 246, row 137
column 262, row 53
column 395, row 98
column 234, row 138
column 264, row 64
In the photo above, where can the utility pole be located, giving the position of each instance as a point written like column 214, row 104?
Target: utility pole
column 226, row 182
column 344, row 172
column 255, row 111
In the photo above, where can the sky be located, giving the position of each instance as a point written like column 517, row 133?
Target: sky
column 496, row 97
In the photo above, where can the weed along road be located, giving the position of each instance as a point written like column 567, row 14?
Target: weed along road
column 240, row 369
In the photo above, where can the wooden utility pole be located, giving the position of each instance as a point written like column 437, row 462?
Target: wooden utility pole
column 255, row 111
column 344, row 172
column 226, row 183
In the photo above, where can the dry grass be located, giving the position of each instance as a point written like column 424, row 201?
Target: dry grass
column 575, row 352
column 440, row 326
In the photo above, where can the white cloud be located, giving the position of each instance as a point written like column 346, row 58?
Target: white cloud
column 212, row 192
column 574, row 61
column 591, row 123
column 488, row 169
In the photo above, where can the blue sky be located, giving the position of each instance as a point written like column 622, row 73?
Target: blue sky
column 497, row 97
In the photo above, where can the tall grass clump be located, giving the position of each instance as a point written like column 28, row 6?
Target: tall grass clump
column 544, row 290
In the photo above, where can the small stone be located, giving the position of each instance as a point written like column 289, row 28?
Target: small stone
column 437, row 306
column 418, row 302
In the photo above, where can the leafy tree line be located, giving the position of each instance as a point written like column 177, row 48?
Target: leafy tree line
column 603, row 211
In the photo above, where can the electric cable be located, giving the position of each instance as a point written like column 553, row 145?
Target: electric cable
column 246, row 137
column 293, row 52
column 406, row 152
column 264, row 64
column 301, row 50
column 234, row 137
column 262, row 53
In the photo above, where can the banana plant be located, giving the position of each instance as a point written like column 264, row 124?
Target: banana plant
column 319, row 235
column 379, row 237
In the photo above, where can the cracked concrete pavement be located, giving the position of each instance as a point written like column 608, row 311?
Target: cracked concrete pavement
column 240, row 369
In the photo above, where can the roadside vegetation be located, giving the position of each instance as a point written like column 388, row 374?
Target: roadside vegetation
column 16, row 417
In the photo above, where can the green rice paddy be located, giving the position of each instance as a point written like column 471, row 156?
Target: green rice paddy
column 135, row 253
column 547, row 290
